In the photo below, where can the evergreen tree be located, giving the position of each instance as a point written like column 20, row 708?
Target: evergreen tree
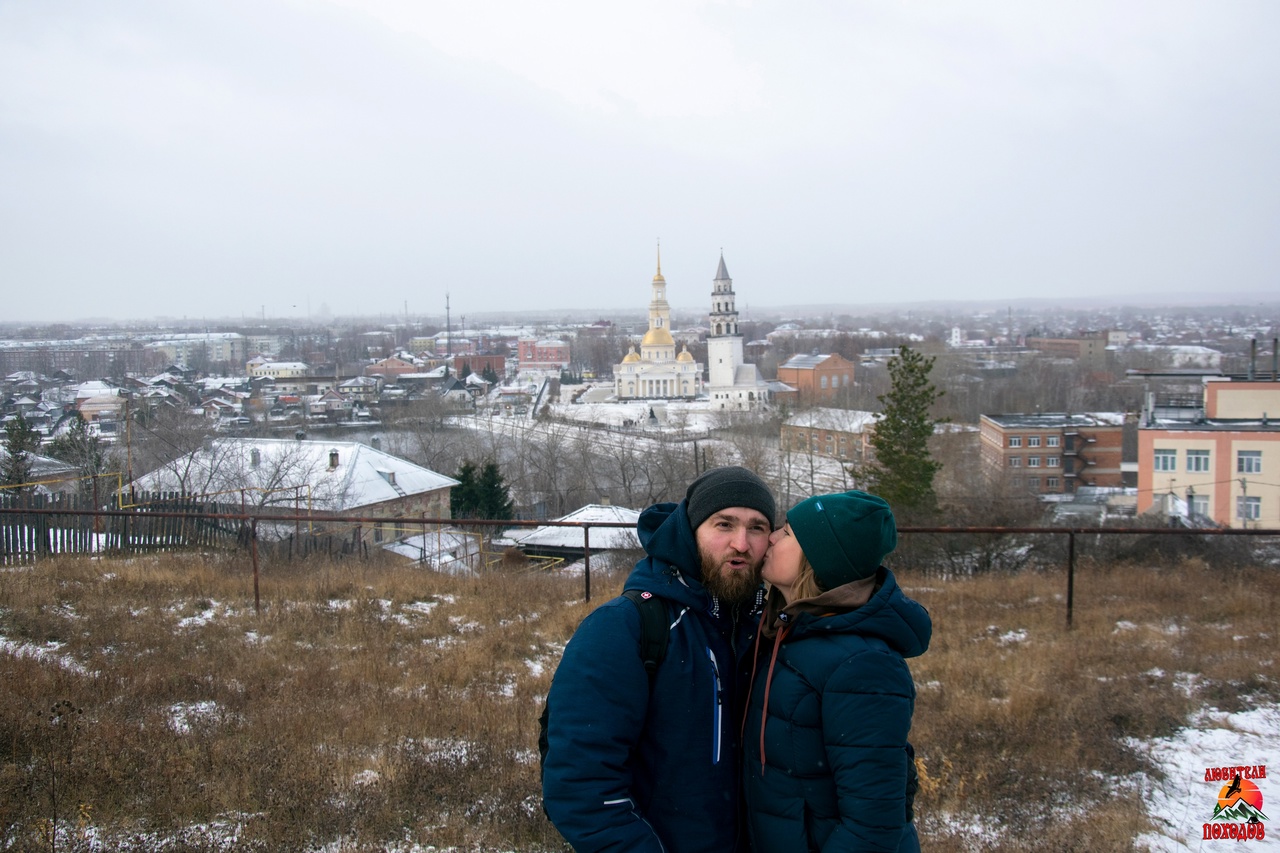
column 495, row 497
column 481, row 492
column 902, row 471
column 489, row 375
column 463, row 500
column 20, row 442
column 81, row 448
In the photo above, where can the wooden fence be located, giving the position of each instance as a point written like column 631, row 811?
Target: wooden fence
column 37, row 526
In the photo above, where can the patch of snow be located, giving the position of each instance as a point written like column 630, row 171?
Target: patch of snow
column 45, row 652
column 1018, row 635
column 1182, row 801
column 183, row 715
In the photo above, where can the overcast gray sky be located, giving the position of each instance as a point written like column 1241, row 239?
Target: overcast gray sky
column 240, row 157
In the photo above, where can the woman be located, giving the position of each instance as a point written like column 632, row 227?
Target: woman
column 831, row 696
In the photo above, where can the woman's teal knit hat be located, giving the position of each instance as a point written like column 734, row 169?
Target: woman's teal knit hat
column 845, row 536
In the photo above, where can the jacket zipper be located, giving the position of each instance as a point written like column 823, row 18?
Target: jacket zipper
column 719, row 708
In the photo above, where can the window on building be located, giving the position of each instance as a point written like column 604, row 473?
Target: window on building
column 1033, row 441
column 1033, row 461
column 1165, row 460
column 1200, row 505
column 1249, row 508
column 822, row 381
column 1015, row 461
column 1015, row 441
column 1051, row 462
column 1052, row 441
column 1033, row 484
column 1051, row 482
column 1249, row 462
column 1198, row 461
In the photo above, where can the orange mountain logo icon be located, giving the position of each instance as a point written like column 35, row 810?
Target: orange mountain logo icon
column 1238, row 813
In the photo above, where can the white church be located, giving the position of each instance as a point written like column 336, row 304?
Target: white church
column 656, row 372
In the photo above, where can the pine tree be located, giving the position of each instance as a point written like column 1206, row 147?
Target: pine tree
column 902, row 471
column 464, row 498
column 495, row 498
column 481, row 492
column 81, row 448
column 20, row 442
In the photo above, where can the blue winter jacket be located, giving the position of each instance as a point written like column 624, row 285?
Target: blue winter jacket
column 831, row 773
column 629, row 769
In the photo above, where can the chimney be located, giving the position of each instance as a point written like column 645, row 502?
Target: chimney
column 333, row 459
column 255, row 458
column 376, row 442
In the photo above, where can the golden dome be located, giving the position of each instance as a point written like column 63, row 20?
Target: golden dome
column 631, row 357
column 684, row 355
column 657, row 338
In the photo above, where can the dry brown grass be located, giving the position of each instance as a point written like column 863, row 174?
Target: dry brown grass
column 377, row 705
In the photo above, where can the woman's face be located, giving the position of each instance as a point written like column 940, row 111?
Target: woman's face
column 782, row 560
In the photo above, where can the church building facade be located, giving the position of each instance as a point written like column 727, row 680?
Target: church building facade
column 656, row 372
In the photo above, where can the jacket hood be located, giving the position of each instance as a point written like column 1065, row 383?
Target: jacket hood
column 904, row 625
column 672, row 568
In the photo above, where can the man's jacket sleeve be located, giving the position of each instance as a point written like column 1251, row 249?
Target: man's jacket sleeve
column 598, row 702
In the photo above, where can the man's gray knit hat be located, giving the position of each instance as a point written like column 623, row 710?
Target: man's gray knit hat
column 721, row 488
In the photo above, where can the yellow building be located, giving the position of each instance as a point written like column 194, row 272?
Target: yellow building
column 1219, row 461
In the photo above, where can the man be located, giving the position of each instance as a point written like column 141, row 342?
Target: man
column 641, row 763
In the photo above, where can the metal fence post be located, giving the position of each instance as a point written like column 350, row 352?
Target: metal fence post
column 253, row 549
column 1071, row 574
column 586, row 561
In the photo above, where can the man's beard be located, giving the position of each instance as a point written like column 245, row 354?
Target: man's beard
column 729, row 586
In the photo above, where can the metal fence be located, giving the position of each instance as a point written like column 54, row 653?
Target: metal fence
column 39, row 527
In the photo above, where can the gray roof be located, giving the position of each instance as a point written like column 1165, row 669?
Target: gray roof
column 722, row 272
column 1057, row 420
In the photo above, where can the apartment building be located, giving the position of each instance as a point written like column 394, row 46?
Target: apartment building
column 1053, row 453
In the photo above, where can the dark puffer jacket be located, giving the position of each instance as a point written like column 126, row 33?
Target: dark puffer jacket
column 632, row 770
column 828, row 768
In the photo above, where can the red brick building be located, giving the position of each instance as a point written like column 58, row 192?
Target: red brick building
column 1054, row 453
column 542, row 354
column 816, row 377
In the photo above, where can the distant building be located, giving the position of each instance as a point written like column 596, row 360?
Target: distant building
column 838, row 433
column 213, row 347
column 316, row 477
column 570, row 542
column 542, row 354
column 656, row 372
column 732, row 383
column 259, row 367
column 816, row 377
column 1054, row 453
column 1217, row 457
column 1091, row 348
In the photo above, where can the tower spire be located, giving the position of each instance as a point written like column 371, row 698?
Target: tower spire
column 659, row 256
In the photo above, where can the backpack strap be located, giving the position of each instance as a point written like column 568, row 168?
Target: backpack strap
column 655, row 630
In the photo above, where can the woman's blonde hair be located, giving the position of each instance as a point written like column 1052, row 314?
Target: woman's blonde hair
column 806, row 585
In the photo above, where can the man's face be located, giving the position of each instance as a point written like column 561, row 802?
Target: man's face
column 731, row 545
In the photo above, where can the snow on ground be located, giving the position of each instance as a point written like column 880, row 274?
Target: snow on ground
column 1182, row 802
column 42, row 651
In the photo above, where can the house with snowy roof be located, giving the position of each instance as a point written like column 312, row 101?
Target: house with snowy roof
column 838, row 433
column 571, row 542
column 313, row 477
